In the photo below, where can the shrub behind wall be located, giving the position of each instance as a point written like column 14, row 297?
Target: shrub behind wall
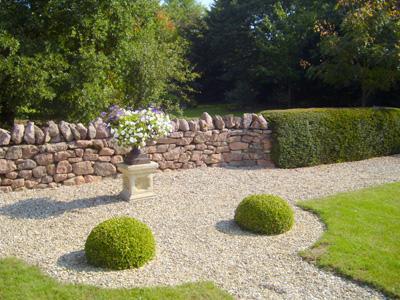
column 307, row 137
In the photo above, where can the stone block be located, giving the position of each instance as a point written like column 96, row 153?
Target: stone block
column 29, row 151
column 17, row 133
column 27, row 164
column 219, row 122
column 52, row 148
column 30, row 184
column 47, row 179
column 238, row 146
column 5, row 137
column 7, row 166
column 173, row 154
column 213, row 159
column 65, row 130
column 202, row 137
column 194, row 125
column 117, row 159
column 104, row 169
column 51, row 169
column 83, row 168
column 39, row 172
column 62, row 155
column 60, row 177
column 14, row 152
column 91, row 178
column 106, row 152
column 63, row 167
column 183, row 125
column 90, row 157
column 162, row 148
column 25, row 174
column 208, row 120
column 44, row 159
column 18, row 183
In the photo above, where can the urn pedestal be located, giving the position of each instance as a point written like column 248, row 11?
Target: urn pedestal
column 137, row 180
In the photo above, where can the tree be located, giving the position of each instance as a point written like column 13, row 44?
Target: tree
column 363, row 50
column 186, row 14
column 284, row 38
column 189, row 18
column 72, row 59
column 227, row 52
column 256, row 48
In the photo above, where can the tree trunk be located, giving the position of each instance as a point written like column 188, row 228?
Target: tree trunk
column 7, row 115
column 289, row 96
column 364, row 97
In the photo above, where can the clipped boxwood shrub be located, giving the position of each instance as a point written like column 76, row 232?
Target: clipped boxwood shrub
column 307, row 137
column 265, row 214
column 120, row 243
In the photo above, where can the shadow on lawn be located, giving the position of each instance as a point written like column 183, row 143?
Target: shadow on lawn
column 231, row 228
column 43, row 208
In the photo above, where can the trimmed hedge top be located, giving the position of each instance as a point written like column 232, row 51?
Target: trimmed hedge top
column 120, row 243
column 307, row 137
column 265, row 214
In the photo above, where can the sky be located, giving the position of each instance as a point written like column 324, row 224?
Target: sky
column 206, row 2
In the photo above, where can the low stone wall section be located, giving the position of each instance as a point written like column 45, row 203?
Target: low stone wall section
column 72, row 154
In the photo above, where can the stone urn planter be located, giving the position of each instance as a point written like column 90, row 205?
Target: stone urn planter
column 135, row 128
column 136, row 157
column 137, row 175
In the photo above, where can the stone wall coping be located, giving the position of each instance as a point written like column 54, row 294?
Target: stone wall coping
column 52, row 133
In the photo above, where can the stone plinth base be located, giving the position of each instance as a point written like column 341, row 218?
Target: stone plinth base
column 137, row 181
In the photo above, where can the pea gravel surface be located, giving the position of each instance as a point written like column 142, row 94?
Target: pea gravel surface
column 191, row 217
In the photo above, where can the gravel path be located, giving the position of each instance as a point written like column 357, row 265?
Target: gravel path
column 191, row 218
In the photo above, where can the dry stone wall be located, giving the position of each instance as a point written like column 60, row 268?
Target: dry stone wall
column 72, row 154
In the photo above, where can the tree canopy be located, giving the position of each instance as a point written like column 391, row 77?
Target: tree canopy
column 266, row 51
column 71, row 59
column 363, row 50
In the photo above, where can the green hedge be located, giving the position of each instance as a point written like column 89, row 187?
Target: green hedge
column 307, row 137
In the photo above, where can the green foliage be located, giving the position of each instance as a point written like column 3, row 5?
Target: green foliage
column 18, row 281
column 363, row 50
column 265, row 214
column 120, row 243
column 307, row 137
column 186, row 14
column 255, row 48
column 285, row 52
column 360, row 241
column 72, row 59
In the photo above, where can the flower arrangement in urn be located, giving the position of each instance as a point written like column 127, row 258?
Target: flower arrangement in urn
column 134, row 128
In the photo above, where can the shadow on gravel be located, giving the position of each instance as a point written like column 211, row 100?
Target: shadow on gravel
column 76, row 261
column 231, row 228
column 43, row 208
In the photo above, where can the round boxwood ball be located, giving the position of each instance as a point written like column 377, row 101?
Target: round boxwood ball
column 265, row 214
column 120, row 243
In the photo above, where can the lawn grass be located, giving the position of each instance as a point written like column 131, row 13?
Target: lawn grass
column 213, row 109
column 362, row 240
column 19, row 281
